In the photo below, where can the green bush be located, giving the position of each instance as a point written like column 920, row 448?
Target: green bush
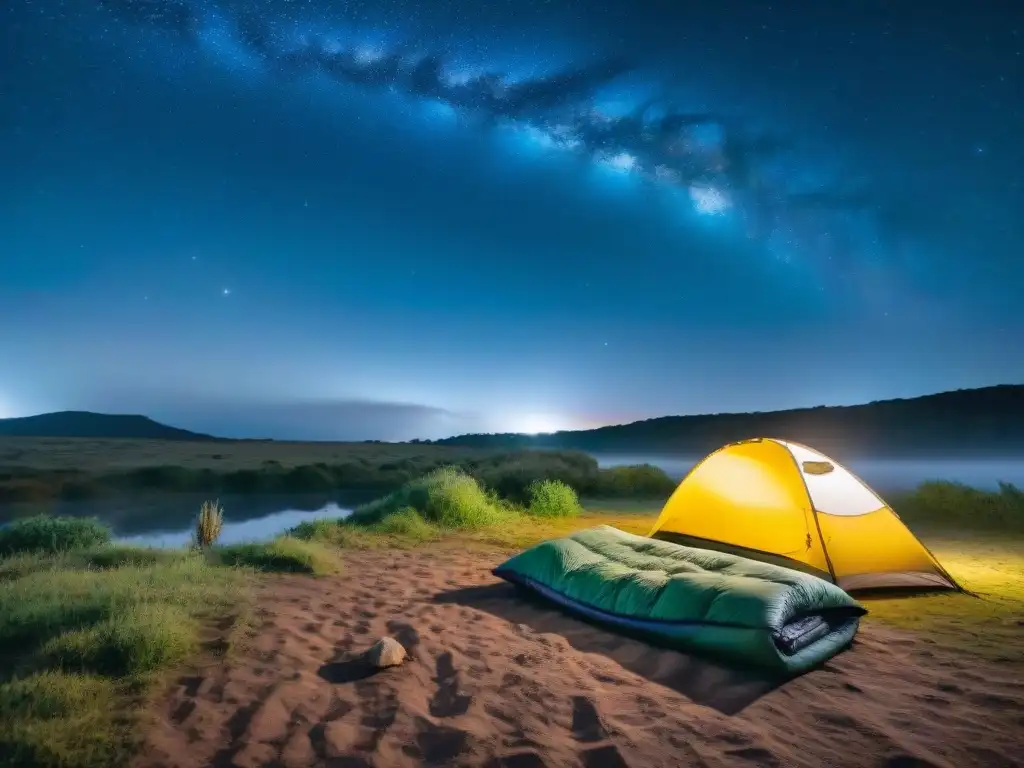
column 446, row 497
column 553, row 498
column 49, row 535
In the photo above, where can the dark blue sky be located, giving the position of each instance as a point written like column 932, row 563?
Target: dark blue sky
column 394, row 220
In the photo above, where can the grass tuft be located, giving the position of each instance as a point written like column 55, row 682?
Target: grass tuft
column 208, row 524
column 50, row 535
column 340, row 533
column 406, row 523
column 286, row 554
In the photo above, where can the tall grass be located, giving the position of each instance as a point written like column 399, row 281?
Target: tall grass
column 208, row 524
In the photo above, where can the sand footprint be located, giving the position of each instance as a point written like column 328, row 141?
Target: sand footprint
column 437, row 744
column 586, row 722
column 607, row 756
column 447, row 701
column 587, row 728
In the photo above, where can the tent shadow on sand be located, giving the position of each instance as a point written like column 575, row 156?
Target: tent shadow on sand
column 726, row 689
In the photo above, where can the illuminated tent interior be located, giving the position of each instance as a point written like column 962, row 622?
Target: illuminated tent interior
column 785, row 503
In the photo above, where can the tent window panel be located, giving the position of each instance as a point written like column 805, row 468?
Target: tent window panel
column 834, row 492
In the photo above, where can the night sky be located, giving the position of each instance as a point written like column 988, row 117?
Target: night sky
column 350, row 220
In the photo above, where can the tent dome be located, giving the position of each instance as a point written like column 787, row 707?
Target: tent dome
column 783, row 502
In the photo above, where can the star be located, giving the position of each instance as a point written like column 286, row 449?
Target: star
column 226, row 292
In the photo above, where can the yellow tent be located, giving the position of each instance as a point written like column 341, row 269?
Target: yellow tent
column 783, row 502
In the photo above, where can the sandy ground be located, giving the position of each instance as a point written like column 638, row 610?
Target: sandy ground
column 497, row 679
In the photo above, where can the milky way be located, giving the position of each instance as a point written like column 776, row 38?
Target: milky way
column 715, row 161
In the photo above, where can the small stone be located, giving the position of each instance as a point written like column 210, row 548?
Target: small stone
column 386, row 652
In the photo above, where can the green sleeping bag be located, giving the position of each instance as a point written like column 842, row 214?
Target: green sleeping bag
column 739, row 610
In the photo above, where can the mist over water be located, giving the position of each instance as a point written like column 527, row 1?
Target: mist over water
column 884, row 475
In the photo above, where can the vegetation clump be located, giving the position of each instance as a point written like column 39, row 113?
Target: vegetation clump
column 553, row 498
column 209, row 524
column 446, row 497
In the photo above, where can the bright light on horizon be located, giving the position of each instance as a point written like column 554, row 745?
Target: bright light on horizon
column 537, row 424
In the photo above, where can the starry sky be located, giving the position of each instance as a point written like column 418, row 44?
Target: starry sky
column 318, row 219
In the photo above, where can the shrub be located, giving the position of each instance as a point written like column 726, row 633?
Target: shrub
column 446, row 497
column 553, row 498
column 50, row 535
column 286, row 554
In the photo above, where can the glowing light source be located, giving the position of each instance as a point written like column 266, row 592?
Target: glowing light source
column 537, row 424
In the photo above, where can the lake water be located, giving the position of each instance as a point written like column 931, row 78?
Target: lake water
column 881, row 474
column 261, row 528
column 167, row 520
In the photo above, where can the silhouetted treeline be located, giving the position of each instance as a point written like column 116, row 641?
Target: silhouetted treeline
column 970, row 422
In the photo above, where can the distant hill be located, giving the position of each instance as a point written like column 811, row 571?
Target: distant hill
column 87, row 424
column 967, row 422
